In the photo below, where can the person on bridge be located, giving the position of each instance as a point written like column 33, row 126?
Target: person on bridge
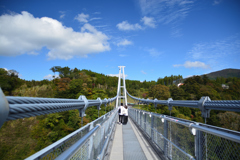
column 125, row 115
column 120, row 109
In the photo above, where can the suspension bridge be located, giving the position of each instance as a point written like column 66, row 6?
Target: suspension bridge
column 148, row 135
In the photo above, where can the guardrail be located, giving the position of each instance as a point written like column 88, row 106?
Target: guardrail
column 88, row 142
column 182, row 139
column 204, row 104
column 22, row 107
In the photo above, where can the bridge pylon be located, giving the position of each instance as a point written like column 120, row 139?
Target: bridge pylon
column 121, row 91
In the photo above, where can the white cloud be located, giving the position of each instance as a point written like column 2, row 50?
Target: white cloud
column 50, row 76
column 143, row 72
column 122, row 55
column 196, row 64
column 62, row 14
column 149, row 21
column 217, row 53
column 25, row 34
column 217, row 49
column 14, row 72
column 97, row 13
column 95, row 18
column 82, row 17
column 153, row 52
column 116, row 75
column 124, row 42
column 125, row 26
column 167, row 12
column 216, row 2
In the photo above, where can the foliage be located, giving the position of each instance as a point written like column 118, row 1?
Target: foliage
column 159, row 91
column 9, row 81
column 44, row 130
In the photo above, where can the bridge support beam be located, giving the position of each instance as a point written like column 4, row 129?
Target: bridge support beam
column 120, row 94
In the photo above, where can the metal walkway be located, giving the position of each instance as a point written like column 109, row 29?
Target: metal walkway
column 129, row 143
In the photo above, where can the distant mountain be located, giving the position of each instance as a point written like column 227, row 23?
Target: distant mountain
column 224, row 73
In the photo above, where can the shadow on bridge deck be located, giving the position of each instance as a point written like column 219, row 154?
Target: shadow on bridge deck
column 128, row 143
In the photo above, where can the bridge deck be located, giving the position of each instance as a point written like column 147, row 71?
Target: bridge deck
column 128, row 144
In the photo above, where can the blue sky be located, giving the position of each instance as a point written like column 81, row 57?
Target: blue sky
column 152, row 38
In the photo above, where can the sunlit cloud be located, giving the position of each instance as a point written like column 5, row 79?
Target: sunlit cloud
column 124, row 42
column 196, row 64
column 125, row 26
column 50, row 76
column 62, row 14
column 217, row 52
column 149, row 21
column 167, row 12
column 82, row 17
column 116, row 75
column 25, row 34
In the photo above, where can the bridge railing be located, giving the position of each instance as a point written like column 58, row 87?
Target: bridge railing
column 88, row 142
column 12, row 108
column 182, row 139
column 205, row 104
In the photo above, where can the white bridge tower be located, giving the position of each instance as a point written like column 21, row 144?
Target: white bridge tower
column 121, row 91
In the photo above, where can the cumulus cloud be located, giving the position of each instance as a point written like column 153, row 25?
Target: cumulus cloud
column 149, row 21
column 82, row 17
column 196, row 64
column 116, row 75
column 50, row 76
column 124, row 42
column 25, row 34
column 125, row 26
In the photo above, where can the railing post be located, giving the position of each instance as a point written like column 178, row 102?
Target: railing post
column 82, row 111
column 166, row 136
column 152, row 127
column 205, row 112
column 90, row 146
column 199, row 145
column 140, row 118
column 145, row 121
column 99, row 106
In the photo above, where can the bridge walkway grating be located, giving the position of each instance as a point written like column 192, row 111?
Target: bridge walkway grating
column 129, row 144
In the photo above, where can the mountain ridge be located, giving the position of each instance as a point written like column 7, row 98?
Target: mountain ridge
column 226, row 73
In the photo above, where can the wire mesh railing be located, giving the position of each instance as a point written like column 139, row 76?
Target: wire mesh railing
column 182, row 139
column 205, row 104
column 88, row 142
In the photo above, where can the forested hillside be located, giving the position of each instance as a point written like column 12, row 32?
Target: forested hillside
column 21, row 138
column 225, row 73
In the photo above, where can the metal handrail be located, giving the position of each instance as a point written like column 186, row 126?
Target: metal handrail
column 12, row 107
column 205, row 137
column 205, row 104
column 67, row 151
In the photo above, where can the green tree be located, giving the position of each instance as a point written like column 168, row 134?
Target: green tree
column 159, row 91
